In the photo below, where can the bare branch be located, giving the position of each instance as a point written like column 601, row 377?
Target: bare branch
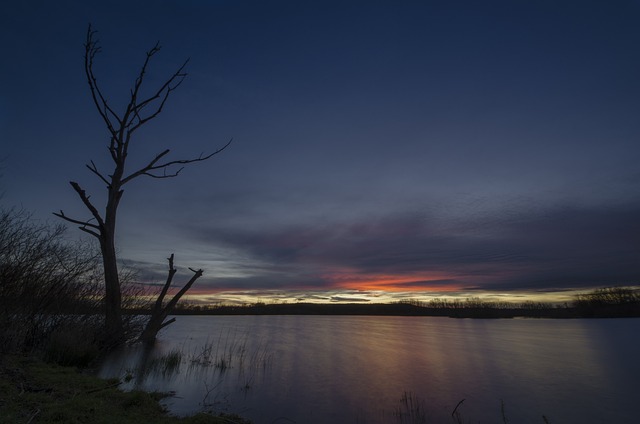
column 151, row 166
column 172, row 303
column 165, row 175
column 93, row 233
column 87, row 203
column 198, row 159
column 93, row 168
column 92, row 48
column 169, row 85
column 83, row 224
column 162, row 93
column 172, row 271
column 134, row 94
column 86, row 223
column 164, row 324
column 132, row 106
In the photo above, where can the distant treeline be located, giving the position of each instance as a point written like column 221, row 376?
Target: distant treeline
column 601, row 303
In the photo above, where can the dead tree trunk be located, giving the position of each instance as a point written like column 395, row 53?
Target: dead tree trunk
column 160, row 311
column 113, row 297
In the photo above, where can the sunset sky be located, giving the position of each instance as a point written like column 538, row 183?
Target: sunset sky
column 381, row 149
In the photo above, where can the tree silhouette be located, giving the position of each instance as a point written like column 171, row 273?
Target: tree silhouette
column 121, row 128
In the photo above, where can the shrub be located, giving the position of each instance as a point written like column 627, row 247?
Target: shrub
column 45, row 281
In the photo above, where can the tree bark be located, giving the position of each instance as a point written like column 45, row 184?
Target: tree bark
column 114, row 328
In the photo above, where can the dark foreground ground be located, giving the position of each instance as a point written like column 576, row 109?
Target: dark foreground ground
column 32, row 392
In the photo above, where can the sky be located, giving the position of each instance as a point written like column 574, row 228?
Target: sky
column 382, row 150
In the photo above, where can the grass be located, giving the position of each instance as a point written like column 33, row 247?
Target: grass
column 221, row 354
column 412, row 410
column 167, row 364
column 172, row 360
column 228, row 353
column 32, row 391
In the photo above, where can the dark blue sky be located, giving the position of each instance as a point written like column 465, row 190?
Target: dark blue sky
column 378, row 146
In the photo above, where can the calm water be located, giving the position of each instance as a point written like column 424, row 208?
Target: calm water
column 337, row 369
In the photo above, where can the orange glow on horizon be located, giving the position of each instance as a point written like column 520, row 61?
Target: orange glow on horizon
column 393, row 283
column 353, row 280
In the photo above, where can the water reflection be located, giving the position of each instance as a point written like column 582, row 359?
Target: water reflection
column 319, row 369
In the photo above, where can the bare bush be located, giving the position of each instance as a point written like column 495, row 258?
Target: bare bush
column 45, row 280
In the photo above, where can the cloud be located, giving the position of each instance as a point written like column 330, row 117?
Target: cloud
column 529, row 248
column 348, row 299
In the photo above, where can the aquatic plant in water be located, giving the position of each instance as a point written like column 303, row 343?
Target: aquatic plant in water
column 412, row 410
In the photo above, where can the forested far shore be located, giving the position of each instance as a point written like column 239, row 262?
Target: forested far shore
column 614, row 302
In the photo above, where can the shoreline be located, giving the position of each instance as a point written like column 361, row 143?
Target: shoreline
column 408, row 309
column 33, row 391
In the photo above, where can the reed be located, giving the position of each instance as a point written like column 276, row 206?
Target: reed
column 170, row 361
column 412, row 410
column 230, row 351
column 166, row 365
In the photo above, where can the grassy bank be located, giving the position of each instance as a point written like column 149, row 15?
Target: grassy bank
column 32, row 391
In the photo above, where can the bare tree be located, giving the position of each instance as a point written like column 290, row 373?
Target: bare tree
column 121, row 128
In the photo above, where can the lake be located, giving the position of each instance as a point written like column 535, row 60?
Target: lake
column 380, row 369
